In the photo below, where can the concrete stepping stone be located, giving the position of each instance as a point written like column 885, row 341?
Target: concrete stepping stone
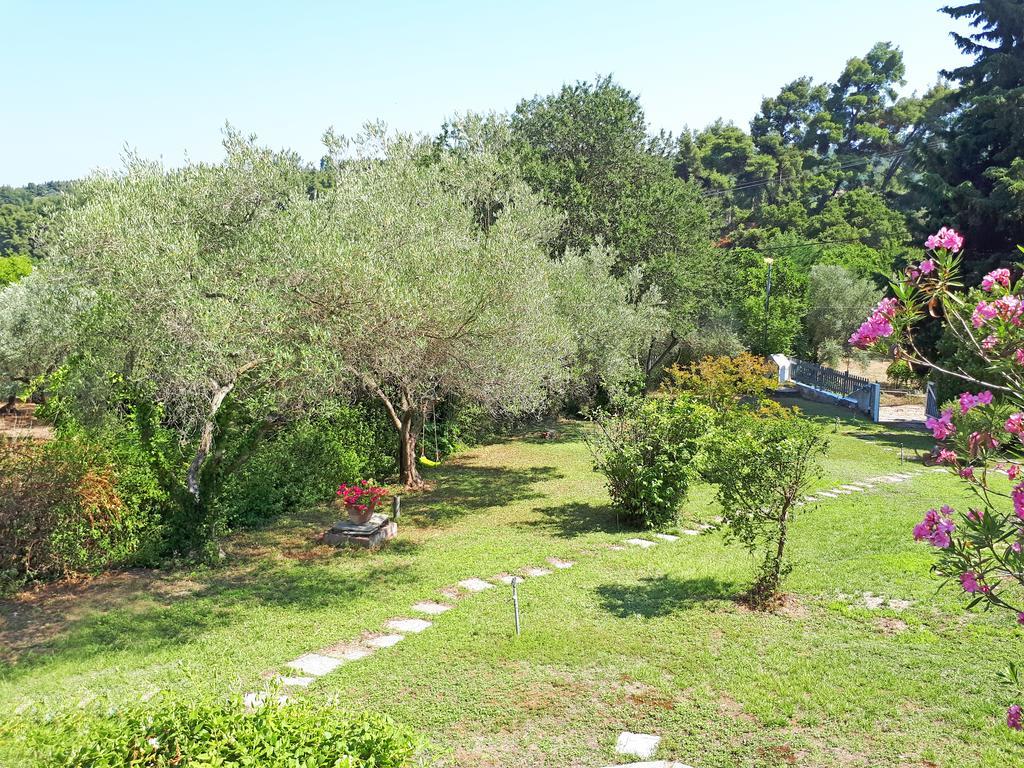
column 637, row 744
column 641, row 543
column 561, row 564
column 293, row 682
column 408, row 625
column 346, row 651
column 827, row 494
column 810, row 499
column 533, row 571
column 939, row 469
column 666, row 537
column 690, row 532
column 505, row 578
column 384, row 641
column 839, row 492
column 431, row 608
column 852, row 488
column 475, row 585
column 616, row 547
column 316, row 664
column 651, row 764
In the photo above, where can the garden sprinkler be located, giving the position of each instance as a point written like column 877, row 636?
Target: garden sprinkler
column 515, row 599
column 901, row 454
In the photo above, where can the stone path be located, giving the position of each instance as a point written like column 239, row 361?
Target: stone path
column 863, row 486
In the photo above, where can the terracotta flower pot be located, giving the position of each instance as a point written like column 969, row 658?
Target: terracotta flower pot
column 359, row 516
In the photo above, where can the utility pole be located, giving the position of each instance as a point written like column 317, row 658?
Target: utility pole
column 767, row 302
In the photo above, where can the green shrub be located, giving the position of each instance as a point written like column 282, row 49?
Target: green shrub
column 762, row 466
column 647, row 454
column 261, row 477
column 723, row 383
column 178, row 733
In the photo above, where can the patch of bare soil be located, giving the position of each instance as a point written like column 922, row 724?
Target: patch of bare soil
column 890, row 626
column 23, row 424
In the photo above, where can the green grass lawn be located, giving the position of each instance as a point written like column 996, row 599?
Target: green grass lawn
column 647, row 640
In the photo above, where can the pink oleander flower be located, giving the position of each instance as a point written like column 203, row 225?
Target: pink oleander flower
column 927, row 266
column 941, row 427
column 877, row 326
column 946, row 456
column 945, row 238
column 983, row 312
column 967, row 473
column 1009, row 308
column 975, row 515
column 969, row 400
column 1015, row 424
column 996, row 277
column 1017, row 496
column 1018, row 357
column 936, row 527
column 1012, row 471
column 1020, row 618
column 981, row 441
column 989, row 342
column 1013, row 717
column 969, row 581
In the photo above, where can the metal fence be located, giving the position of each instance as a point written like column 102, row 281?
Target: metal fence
column 827, row 379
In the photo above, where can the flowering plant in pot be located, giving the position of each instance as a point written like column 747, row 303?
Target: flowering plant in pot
column 361, row 500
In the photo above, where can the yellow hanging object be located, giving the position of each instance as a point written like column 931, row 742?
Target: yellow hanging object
column 428, row 462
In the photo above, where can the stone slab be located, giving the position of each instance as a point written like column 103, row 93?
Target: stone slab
column 651, row 764
column 408, row 625
column 533, row 572
column 637, row 744
column 826, row 494
column 385, row 641
column 561, row 564
column 374, row 524
column 666, row 537
column 690, row 532
column 377, row 538
column 507, row 578
column 431, row 608
column 475, row 585
column 641, row 543
column 840, row 492
column 315, row 664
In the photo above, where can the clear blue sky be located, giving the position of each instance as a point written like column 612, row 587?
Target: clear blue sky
column 83, row 79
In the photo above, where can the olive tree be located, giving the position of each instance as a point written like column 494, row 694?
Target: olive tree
column 424, row 275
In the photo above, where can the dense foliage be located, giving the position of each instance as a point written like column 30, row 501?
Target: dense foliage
column 179, row 732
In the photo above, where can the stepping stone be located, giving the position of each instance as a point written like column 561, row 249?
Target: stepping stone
column 666, row 537
column 641, row 543
column 827, row 495
column 899, row 605
column 255, row 700
column 452, row 593
column 637, row 744
column 810, row 499
column 840, row 492
column 873, row 601
column 690, row 532
column 851, row 488
column 533, row 571
column 651, row 764
column 560, row 564
column 346, row 651
column 506, row 578
column 408, row 625
column 384, row 641
column 316, row 664
column 616, row 547
column 431, row 608
column 293, row 682
column 475, row 585
column 938, row 469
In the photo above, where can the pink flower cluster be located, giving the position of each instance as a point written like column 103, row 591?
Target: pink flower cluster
column 1015, row 426
column 877, row 326
column 969, row 400
column 1017, row 496
column 945, row 238
column 362, row 496
column 1013, row 717
column 996, row 277
column 1007, row 308
column 969, row 581
column 936, row 527
column 943, row 426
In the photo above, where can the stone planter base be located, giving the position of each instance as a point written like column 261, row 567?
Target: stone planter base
column 372, row 534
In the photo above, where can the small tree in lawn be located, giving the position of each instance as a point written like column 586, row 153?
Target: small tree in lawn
column 980, row 548
column 762, row 466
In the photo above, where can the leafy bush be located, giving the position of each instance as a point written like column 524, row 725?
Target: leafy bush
column 13, row 268
column 900, row 374
column 214, row 733
column 762, row 466
column 723, row 382
column 65, row 507
column 301, row 465
column 647, row 455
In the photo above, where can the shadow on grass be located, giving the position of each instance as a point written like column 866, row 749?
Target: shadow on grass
column 463, row 489
column 662, row 595
column 152, row 621
column 574, row 519
column 892, row 434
